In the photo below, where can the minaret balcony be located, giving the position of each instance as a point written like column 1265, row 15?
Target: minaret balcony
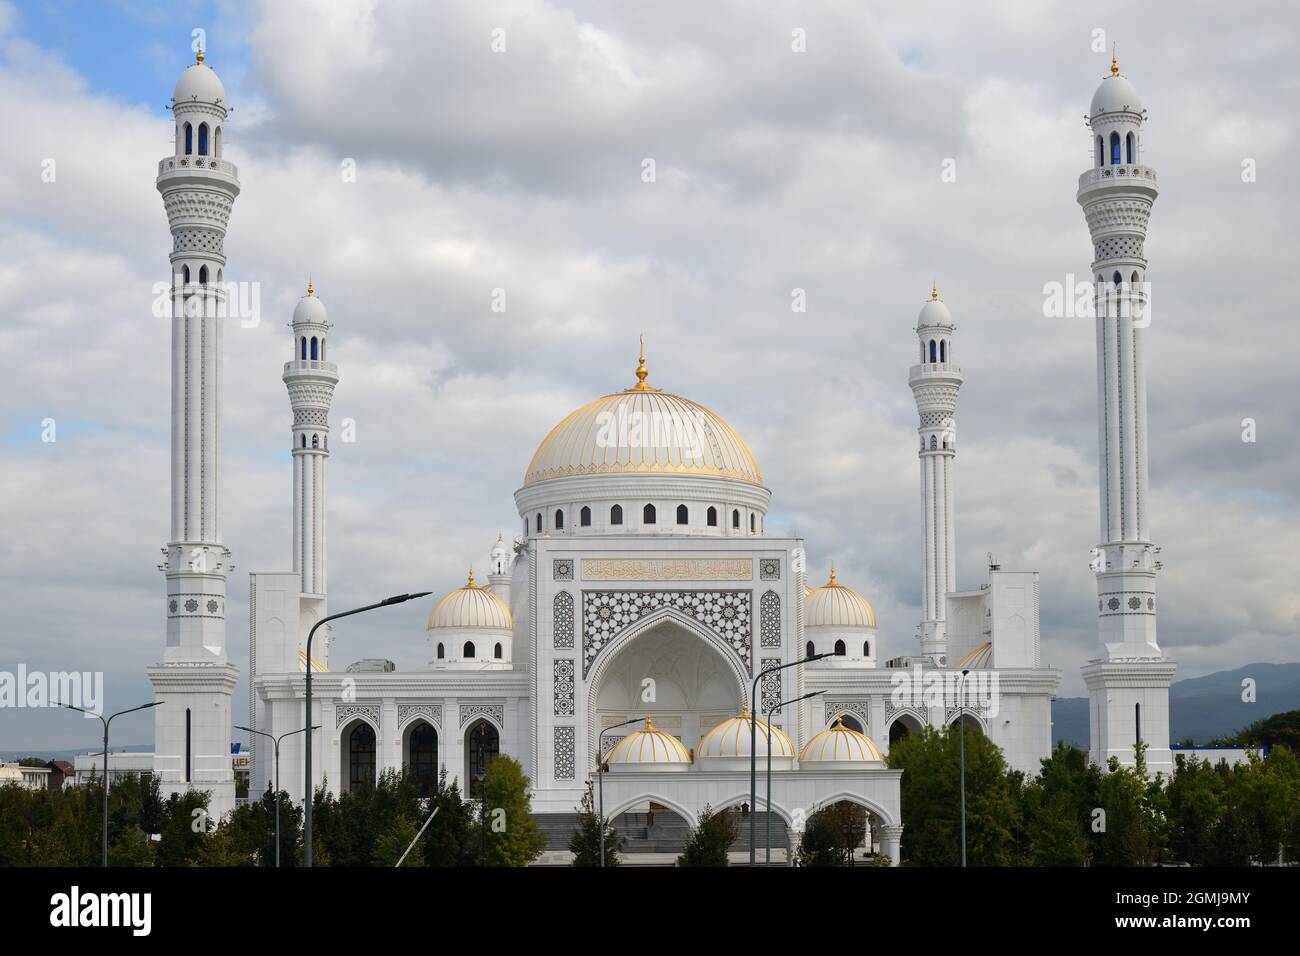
column 312, row 365
column 936, row 371
column 198, row 168
column 1142, row 178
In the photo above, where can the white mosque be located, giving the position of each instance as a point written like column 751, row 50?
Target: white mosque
column 641, row 611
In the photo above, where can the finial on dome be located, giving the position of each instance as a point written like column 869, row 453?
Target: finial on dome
column 310, row 289
column 831, row 582
column 744, row 710
column 1114, row 60
column 469, row 582
column 641, row 370
column 934, row 291
column 501, row 537
column 649, row 725
column 839, row 723
column 198, row 57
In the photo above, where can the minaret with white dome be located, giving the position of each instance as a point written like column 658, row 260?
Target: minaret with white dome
column 194, row 682
column 1128, row 683
column 935, row 382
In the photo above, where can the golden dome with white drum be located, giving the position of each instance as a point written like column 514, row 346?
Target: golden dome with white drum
column 726, row 746
column 837, row 606
column 648, row 749
column 839, row 748
column 471, row 606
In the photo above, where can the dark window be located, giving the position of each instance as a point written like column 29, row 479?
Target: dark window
column 648, row 514
column 713, row 517
column 839, row 649
column 496, row 651
column 735, row 518
column 752, row 525
column 481, row 745
column 189, row 760
column 866, row 648
column 683, row 516
column 1101, row 151
column 304, row 441
column 314, row 355
column 808, row 650
column 441, row 651
column 189, row 139
column 304, row 348
column 559, row 520
column 361, row 757
column 943, row 351
column 203, row 275
column 934, row 351
column 315, row 441
column 203, row 139
column 422, row 762
column 933, row 443
column 1128, row 148
column 1114, row 149
column 1117, row 278
column 584, row 517
column 468, row 650
column 616, row 514
column 850, row 722
column 539, row 522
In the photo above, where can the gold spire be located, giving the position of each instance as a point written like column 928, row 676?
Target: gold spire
column 649, row 725
column 199, row 56
column 934, row 291
column 469, row 583
column 501, row 537
column 310, row 290
column 641, row 371
column 744, row 710
column 1114, row 60
column 831, row 583
column 839, row 724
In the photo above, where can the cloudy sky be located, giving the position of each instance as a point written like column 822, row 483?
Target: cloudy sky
column 522, row 170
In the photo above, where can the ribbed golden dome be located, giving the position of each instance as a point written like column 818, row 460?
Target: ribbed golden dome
column 839, row 744
column 471, row 606
column 976, row 659
column 834, row 605
column 731, row 739
column 643, row 431
column 648, row 746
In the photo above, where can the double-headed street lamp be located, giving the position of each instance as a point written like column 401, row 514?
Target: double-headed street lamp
column 106, row 723
column 961, row 729
column 276, row 740
column 767, row 815
column 307, row 789
column 753, row 744
column 600, row 778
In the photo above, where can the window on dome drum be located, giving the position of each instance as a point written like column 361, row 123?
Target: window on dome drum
column 482, row 743
column 616, row 514
column 468, row 650
column 584, row 517
column 539, row 522
column 712, row 517
column 496, row 651
column 934, row 351
column 648, row 514
column 839, row 649
column 735, row 518
column 809, row 651
column 203, row 139
column 441, row 652
column 751, row 524
column 203, row 275
column 1128, row 148
column 1114, row 149
column 683, row 516
column 422, row 761
column 559, row 520
column 189, row 139
column 866, row 648
column 314, row 356
column 361, row 757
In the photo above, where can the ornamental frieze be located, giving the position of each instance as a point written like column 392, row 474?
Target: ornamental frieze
column 667, row 569
column 605, row 614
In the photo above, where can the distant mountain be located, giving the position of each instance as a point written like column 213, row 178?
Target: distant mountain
column 68, row 755
column 1200, row 708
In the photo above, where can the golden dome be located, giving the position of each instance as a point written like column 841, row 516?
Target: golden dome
column 471, row 606
column 643, row 431
column 839, row 744
column 835, row 605
column 976, row 659
column 731, row 739
column 648, row 746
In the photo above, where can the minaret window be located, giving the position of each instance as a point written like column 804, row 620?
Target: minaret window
column 216, row 136
column 304, row 348
column 943, row 351
column 188, row 749
column 203, row 275
column 189, row 139
column 1114, row 149
column 683, row 515
column 496, row 651
column 203, row 139
column 185, row 275
column 1128, row 148
column 322, row 348
column 934, row 351
column 1117, row 278
column 648, row 514
column 584, row 517
column 315, row 441
column 468, row 651
column 559, row 520
column 735, row 518
column 314, row 356
column 1101, row 151
column 712, row 517
column 304, row 441
column 934, row 443
column 839, row 649
column 616, row 514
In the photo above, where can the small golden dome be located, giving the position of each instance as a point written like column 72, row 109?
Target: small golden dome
column 836, row 605
column 648, row 746
column 976, row 659
column 731, row 739
column 471, row 606
column 839, row 744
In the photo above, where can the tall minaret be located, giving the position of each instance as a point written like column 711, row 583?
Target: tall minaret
column 194, row 681
column 935, row 383
column 1128, row 684
column 310, row 380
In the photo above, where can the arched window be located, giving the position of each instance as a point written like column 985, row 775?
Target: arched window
column 1114, row 149
column 934, row 351
column 482, row 743
column 496, row 651
column 467, row 651
column 442, row 653
column 315, row 441
column 584, row 517
column 185, row 275
column 683, row 516
column 712, row 517
column 616, row 514
column 839, row 648
column 808, row 650
column 866, row 648
column 648, row 514
column 203, row 139
column 361, row 757
column 216, row 137
column 189, row 139
column 850, row 722
column 751, row 523
column 1117, row 278
column 945, row 441
column 304, row 441
column 538, row 521
column 422, row 758
column 314, row 350
column 203, row 275
column 188, row 750
column 322, row 348
column 559, row 520
column 943, row 351
column 735, row 518
column 933, row 443
column 1134, row 279
column 1128, row 148
column 1101, row 151
column 304, row 348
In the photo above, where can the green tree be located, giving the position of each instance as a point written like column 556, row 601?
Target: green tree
column 585, row 843
column 451, row 838
column 512, row 836
column 131, row 848
column 822, row 842
column 184, row 830
column 1136, row 826
column 395, row 841
column 710, row 839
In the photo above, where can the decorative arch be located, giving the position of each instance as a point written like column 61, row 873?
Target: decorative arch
column 876, row 810
column 915, row 715
column 760, row 802
column 620, row 808
column 970, row 715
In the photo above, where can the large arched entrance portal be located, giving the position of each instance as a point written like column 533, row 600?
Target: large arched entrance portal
column 357, row 749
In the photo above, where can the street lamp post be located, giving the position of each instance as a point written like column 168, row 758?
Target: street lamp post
column 276, row 740
column 961, row 725
column 307, row 789
column 753, row 746
column 600, row 778
column 104, row 835
column 767, row 810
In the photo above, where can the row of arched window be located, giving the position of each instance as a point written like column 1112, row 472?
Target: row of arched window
column 203, row 275
column 1128, row 152
column 840, row 649
column 187, row 135
column 317, row 350
column 469, row 651
column 938, row 351
column 1118, row 279
column 649, row 515
column 315, row 441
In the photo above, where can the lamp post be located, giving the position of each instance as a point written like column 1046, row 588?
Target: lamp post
column 767, row 809
column 276, row 740
column 961, row 729
column 600, row 779
column 104, row 835
column 307, row 789
column 753, row 744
